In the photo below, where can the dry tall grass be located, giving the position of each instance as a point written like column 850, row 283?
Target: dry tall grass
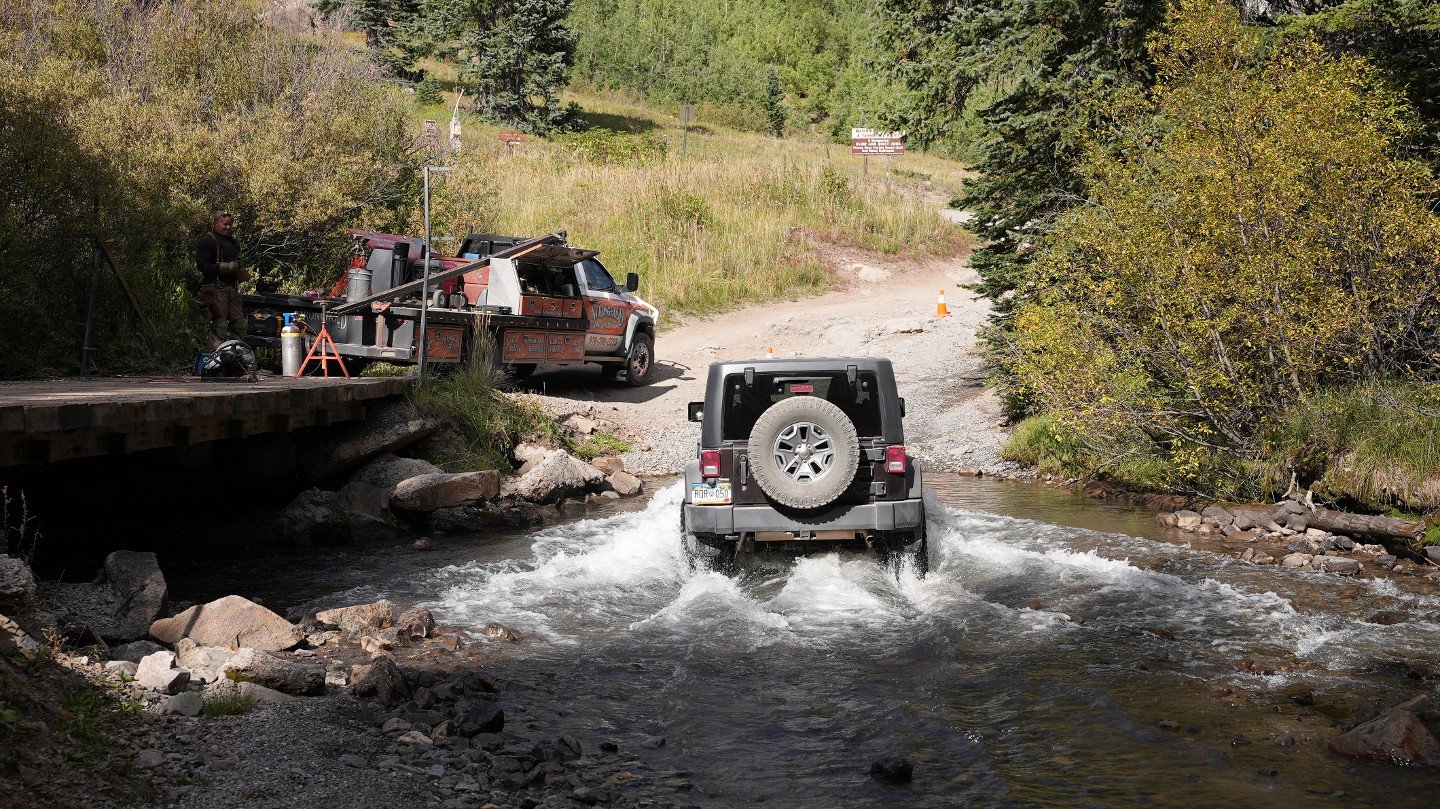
column 705, row 230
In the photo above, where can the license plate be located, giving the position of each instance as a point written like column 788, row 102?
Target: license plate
column 703, row 495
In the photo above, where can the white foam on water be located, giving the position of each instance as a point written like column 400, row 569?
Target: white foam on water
column 629, row 574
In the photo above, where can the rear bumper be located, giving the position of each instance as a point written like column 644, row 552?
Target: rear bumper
column 887, row 515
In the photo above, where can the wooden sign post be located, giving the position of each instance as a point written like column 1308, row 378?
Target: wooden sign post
column 866, row 142
column 512, row 138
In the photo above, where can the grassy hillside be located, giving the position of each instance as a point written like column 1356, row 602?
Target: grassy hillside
column 709, row 220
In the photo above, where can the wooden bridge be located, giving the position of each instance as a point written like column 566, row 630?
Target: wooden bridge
column 54, row 420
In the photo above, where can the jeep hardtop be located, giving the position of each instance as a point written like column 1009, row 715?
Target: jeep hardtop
column 798, row 454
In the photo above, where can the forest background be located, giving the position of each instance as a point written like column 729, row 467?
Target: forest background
column 1208, row 227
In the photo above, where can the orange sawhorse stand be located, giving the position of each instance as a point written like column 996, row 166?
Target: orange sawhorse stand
column 322, row 340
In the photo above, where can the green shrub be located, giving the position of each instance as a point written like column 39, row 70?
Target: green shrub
column 493, row 421
column 601, row 443
column 606, row 146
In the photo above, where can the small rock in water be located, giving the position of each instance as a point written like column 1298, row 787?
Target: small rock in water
column 894, row 769
column 422, row 544
column 1267, row 772
column 654, row 742
column 1167, row 724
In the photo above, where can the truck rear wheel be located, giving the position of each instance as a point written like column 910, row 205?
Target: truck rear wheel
column 804, row 452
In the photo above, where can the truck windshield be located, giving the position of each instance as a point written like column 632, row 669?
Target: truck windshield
column 744, row 404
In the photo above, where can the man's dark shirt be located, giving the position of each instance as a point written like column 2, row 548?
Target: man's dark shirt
column 208, row 264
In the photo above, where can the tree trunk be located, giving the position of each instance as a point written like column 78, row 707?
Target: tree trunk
column 1360, row 525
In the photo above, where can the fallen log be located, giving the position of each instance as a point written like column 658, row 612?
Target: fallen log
column 1361, row 525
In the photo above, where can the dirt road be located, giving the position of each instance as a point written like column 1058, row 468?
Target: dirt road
column 883, row 307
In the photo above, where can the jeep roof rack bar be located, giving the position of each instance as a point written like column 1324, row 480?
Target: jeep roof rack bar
column 514, row 251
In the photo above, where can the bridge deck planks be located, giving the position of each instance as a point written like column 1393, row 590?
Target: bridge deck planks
column 42, row 421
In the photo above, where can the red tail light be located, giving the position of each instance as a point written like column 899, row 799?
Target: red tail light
column 895, row 459
column 710, row 463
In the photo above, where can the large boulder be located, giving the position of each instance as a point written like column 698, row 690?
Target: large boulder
column 388, row 470
column 365, row 528
column 315, row 516
column 555, row 478
column 140, row 594
column 427, row 493
column 285, row 676
column 387, row 428
column 135, row 651
column 229, row 621
column 360, row 617
column 383, row 680
column 1404, row 735
column 17, row 588
column 360, row 497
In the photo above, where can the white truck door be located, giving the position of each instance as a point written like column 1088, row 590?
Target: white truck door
column 605, row 306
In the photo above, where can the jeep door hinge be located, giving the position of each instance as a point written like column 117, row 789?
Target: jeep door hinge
column 877, row 488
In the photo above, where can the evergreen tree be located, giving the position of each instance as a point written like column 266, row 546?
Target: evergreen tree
column 516, row 55
column 774, row 106
column 1036, row 74
column 392, row 29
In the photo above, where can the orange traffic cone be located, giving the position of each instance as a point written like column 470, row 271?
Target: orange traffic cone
column 770, row 352
column 940, row 310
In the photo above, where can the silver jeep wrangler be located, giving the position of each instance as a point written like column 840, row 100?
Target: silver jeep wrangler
column 799, row 454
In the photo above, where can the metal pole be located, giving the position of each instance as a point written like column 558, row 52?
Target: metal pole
column 425, row 274
column 685, row 140
column 85, row 348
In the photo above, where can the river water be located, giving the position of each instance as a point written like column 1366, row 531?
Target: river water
column 1057, row 654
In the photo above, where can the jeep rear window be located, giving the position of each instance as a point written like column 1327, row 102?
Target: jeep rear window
column 744, row 404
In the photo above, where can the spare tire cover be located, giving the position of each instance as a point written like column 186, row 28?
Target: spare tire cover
column 804, row 452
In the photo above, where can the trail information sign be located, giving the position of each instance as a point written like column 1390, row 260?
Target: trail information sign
column 867, row 142
column 432, row 137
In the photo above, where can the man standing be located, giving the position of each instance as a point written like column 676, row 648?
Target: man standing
column 218, row 258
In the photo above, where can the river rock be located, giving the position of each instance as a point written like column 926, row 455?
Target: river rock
column 135, row 651
column 1296, row 560
column 391, row 426
column 381, row 679
column 365, row 528
column 625, row 484
column 387, row 470
column 483, row 717
column 157, row 672
column 360, row 497
column 893, row 769
column 123, row 668
column 1431, row 553
column 415, row 622
column 1340, row 565
column 1404, row 735
column 206, row 663
column 229, row 621
column 140, row 594
column 260, row 693
column 466, row 519
column 555, row 478
column 609, row 464
column 186, row 703
column 315, row 516
column 1217, row 515
column 285, row 676
column 360, row 617
column 13, row 638
column 1187, row 520
column 18, row 597
column 426, row 493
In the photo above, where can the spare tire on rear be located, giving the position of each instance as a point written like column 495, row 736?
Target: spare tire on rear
column 804, row 452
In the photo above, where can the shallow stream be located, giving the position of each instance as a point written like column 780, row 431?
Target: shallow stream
column 1057, row 654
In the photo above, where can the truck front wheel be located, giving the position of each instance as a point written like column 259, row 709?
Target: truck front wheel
column 641, row 360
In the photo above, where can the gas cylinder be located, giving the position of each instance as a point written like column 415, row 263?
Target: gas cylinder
column 292, row 347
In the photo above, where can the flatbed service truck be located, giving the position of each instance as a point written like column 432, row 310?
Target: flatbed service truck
column 538, row 301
